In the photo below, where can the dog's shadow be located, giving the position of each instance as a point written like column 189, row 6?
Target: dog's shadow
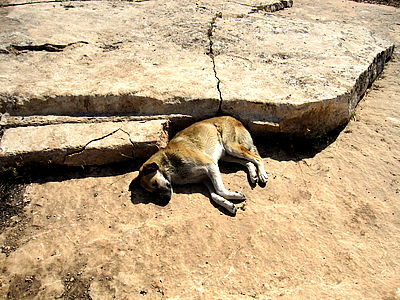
column 140, row 196
column 228, row 168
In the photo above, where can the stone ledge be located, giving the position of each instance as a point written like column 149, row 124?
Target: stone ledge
column 9, row 121
column 276, row 73
column 81, row 144
column 305, row 77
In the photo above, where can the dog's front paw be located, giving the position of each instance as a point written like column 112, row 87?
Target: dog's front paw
column 234, row 210
column 242, row 196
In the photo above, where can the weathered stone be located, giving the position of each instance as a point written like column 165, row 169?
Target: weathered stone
column 303, row 77
column 111, row 58
column 276, row 73
column 8, row 121
column 81, row 144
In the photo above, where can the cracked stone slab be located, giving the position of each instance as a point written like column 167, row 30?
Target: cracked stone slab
column 106, row 57
column 302, row 77
column 82, row 144
column 276, row 73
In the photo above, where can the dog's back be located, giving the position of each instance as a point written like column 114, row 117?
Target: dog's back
column 211, row 136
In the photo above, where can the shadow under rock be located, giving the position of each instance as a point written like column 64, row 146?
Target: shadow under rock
column 59, row 173
column 287, row 148
column 275, row 147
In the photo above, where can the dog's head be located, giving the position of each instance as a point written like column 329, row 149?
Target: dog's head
column 153, row 180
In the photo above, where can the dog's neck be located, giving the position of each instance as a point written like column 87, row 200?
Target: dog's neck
column 165, row 166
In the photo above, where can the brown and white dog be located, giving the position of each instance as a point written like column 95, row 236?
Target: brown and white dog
column 192, row 156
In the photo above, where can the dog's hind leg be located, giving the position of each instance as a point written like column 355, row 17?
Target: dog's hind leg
column 216, row 179
column 239, row 151
column 220, row 200
column 248, row 164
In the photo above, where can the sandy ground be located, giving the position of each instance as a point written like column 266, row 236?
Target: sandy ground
column 326, row 226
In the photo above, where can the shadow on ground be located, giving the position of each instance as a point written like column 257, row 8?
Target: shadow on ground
column 12, row 182
column 11, row 200
column 140, row 196
column 283, row 148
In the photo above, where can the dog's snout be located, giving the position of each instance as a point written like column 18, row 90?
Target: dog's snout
column 165, row 197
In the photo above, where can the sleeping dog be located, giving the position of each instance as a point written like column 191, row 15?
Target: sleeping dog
column 192, row 156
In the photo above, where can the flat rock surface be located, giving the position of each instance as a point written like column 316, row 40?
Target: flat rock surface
column 326, row 226
column 295, row 68
column 113, row 57
column 197, row 58
column 82, row 144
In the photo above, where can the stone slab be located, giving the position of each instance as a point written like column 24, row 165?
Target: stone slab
column 82, row 144
column 303, row 77
column 9, row 121
column 106, row 57
column 274, row 72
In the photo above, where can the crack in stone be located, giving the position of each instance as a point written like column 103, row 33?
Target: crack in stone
column 49, row 47
column 100, row 138
column 91, row 141
column 129, row 136
column 130, row 140
column 35, row 2
column 211, row 54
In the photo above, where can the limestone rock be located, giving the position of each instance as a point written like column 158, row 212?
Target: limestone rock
column 102, row 58
column 110, row 58
column 303, row 77
column 81, row 144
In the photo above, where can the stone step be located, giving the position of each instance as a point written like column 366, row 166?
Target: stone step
column 9, row 121
column 81, row 144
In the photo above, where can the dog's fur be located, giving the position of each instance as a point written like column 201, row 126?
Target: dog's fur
column 193, row 154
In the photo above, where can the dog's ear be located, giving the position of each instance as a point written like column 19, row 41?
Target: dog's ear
column 150, row 168
column 135, row 183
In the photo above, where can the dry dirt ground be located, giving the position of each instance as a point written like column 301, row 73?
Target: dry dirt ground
column 326, row 226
